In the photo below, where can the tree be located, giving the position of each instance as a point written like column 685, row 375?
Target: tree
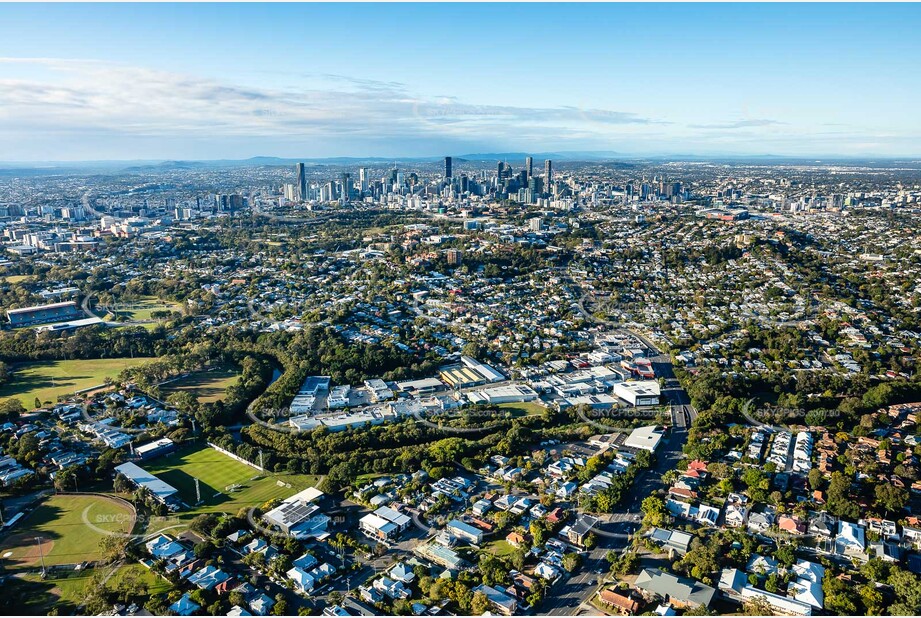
column 654, row 512
column 10, row 409
column 95, row 596
column 872, row 599
column 204, row 524
column 839, row 502
column 281, row 605
column 538, row 532
column 757, row 606
column 623, row 564
column 891, row 498
column 907, row 587
column 64, row 480
column 786, row 555
column 480, row 604
column 112, row 547
column 839, row 597
column 572, row 561
column 757, row 482
column 815, row 478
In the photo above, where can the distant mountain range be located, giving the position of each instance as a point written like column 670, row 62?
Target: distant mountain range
column 140, row 166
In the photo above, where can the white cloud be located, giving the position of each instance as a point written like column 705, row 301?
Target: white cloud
column 73, row 108
column 82, row 96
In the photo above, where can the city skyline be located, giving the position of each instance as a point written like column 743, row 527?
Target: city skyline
column 128, row 82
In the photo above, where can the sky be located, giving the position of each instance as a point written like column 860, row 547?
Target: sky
column 232, row 81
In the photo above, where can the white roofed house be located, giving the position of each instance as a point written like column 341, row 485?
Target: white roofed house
column 808, row 585
column 546, row 571
column 392, row 588
column 707, row 515
column 762, row 565
column 912, row 536
column 208, row 577
column 736, row 512
column 303, row 581
column 402, row 573
column 850, row 540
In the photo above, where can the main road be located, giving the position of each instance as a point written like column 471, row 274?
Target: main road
column 570, row 594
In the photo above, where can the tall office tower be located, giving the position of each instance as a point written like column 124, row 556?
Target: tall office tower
column 548, row 172
column 536, row 186
column 346, row 182
column 464, row 183
column 301, row 181
column 448, row 167
column 529, row 166
column 500, row 169
column 363, row 179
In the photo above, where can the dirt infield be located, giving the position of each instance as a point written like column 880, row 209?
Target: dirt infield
column 26, row 549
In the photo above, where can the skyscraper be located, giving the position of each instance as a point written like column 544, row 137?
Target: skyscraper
column 448, row 167
column 346, row 183
column 529, row 166
column 363, row 179
column 548, row 173
column 301, row 181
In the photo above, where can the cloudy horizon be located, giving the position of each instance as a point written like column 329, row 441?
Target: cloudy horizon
column 101, row 85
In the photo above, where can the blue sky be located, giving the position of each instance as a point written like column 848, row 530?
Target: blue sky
column 153, row 81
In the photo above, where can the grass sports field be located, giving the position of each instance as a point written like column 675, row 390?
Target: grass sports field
column 48, row 380
column 215, row 473
column 65, row 589
column 524, row 408
column 209, row 385
column 17, row 278
column 140, row 310
column 70, row 528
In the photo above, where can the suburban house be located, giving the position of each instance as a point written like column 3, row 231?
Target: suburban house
column 679, row 591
